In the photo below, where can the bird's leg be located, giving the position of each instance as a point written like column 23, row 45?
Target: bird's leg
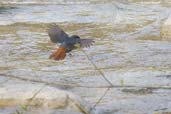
column 59, row 54
column 70, row 54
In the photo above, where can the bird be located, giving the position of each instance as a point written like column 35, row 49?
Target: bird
column 67, row 43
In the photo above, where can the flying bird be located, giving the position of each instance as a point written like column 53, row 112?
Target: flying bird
column 67, row 43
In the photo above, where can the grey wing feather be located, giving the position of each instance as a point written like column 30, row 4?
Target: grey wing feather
column 57, row 35
column 86, row 42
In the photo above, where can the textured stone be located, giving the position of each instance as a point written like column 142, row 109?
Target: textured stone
column 166, row 29
column 22, row 93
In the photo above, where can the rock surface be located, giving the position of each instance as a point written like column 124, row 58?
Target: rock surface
column 15, row 93
column 128, row 52
column 166, row 29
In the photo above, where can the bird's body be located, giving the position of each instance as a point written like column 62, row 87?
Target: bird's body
column 67, row 43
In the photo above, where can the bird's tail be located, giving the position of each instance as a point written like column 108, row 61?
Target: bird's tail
column 59, row 54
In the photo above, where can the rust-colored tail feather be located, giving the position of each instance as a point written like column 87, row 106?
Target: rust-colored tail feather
column 59, row 54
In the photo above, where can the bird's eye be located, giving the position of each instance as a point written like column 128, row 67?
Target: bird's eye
column 75, row 36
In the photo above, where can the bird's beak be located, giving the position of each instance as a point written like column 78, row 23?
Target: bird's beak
column 77, row 45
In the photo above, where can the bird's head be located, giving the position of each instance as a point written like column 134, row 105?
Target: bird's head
column 75, row 37
column 76, row 40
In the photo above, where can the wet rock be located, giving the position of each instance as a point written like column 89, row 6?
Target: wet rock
column 165, row 76
column 139, row 91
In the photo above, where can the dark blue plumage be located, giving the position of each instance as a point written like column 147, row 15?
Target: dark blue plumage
column 67, row 43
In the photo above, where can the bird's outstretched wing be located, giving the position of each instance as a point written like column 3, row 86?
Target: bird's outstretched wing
column 86, row 42
column 57, row 35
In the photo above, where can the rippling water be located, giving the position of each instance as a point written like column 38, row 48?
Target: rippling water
column 127, row 36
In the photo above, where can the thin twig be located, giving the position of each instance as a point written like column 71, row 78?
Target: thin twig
column 100, row 99
column 102, row 74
